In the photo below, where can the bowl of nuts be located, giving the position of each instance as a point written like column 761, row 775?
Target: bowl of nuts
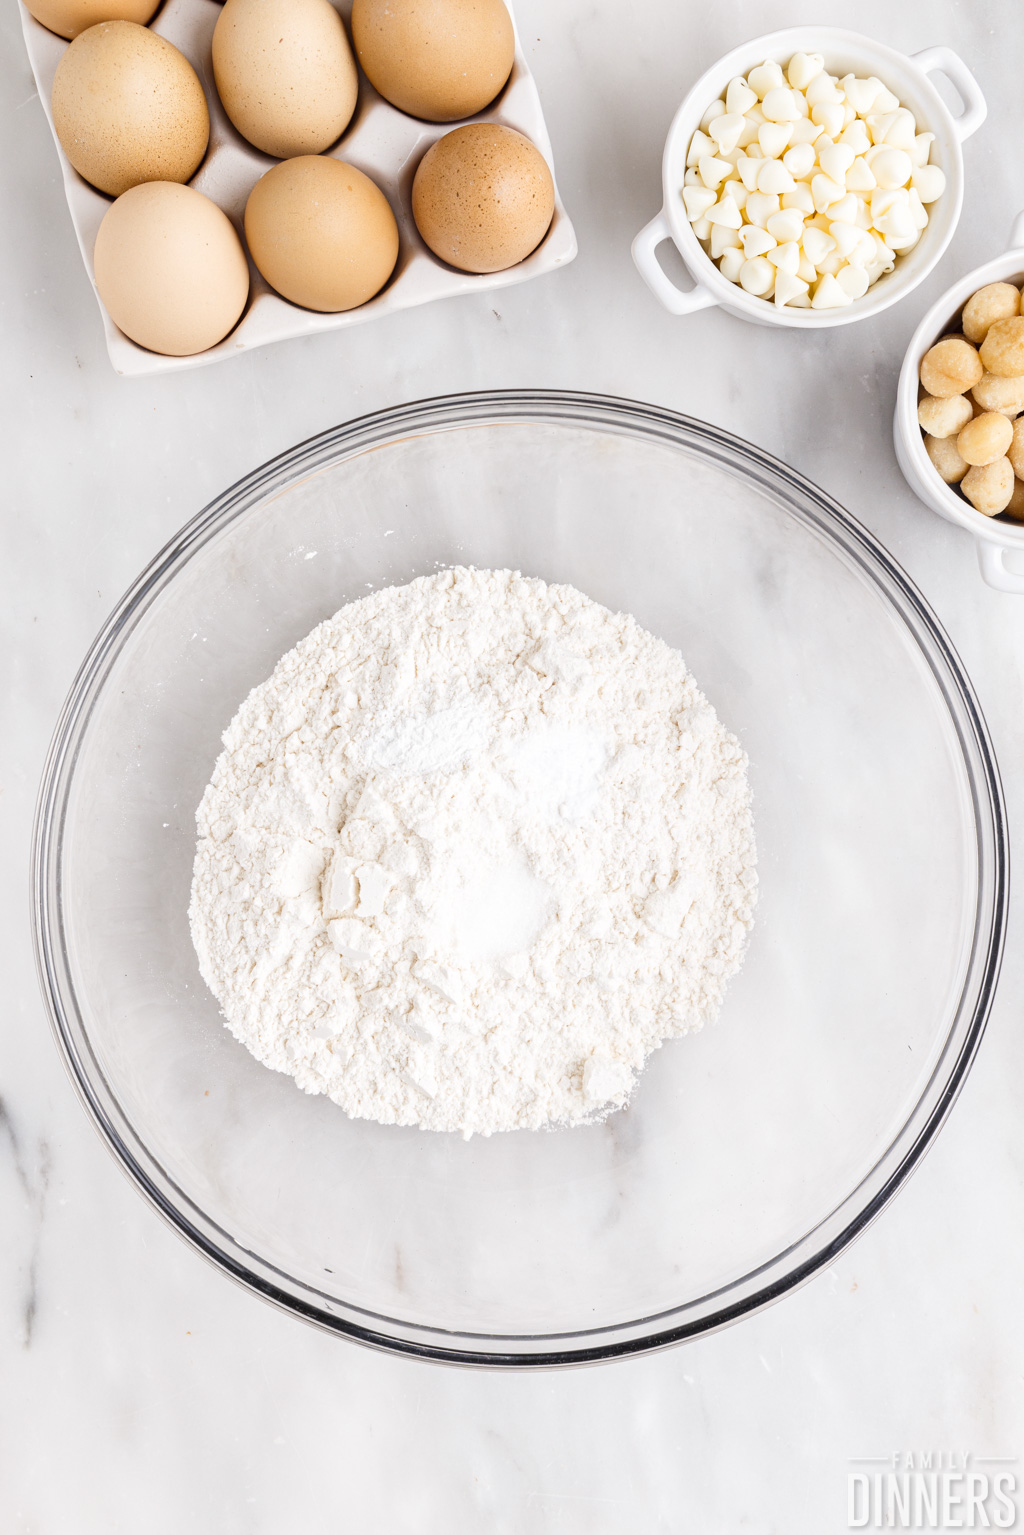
column 959, row 428
column 811, row 177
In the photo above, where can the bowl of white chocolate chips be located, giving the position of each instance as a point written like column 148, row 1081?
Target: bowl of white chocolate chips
column 810, row 178
column 960, row 410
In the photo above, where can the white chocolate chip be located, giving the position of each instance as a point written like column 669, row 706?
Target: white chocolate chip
column 806, row 131
column 846, row 236
column 713, row 171
column 766, row 77
column 799, row 160
column 885, row 101
column 836, row 160
column 803, row 68
column 786, row 225
column 829, row 295
column 748, row 169
column 757, row 276
column 830, row 116
column 800, row 198
column 817, row 245
column 773, row 138
column 860, row 177
column 788, row 287
column 722, row 239
column 929, row 182
column 716, row 109
column 785, row 257
column 761, row 206
column 725, row 212
column 739, row 97
column 821, row 88
column 857, row 136
column 756, row 242
column 861, row 94
column 697, row 201
column 892, row 167
column 700, row 145
column 780, row 106
column 774, row 177
column 825, row 191
column 726, row 130
column 922, row 148
column 737, row 191
column 918, row 212
column 845, row 210
column 731, row 264
column 853, row 280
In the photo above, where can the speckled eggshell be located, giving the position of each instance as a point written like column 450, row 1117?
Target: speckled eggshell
column 438, row 59
column 285, row 73
column 129, row 108
column 483, row 197
column 69, row 17
column 170, row 269
column 321, row 233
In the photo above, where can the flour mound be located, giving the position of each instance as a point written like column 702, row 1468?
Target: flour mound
column 475, row 849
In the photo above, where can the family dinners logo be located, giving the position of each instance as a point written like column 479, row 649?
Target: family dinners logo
column 932, row 1490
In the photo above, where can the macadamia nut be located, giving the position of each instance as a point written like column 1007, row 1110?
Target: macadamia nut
column 988, row 487
column 996, row 301
column 985, row 439
column 995, row 393
column 1015, row 452
column 1002, row 350
column 944, row 418
column 951, row 367
column 945, row 455
column 1014, row 508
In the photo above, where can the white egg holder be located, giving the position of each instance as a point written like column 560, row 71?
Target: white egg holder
column 381, row 141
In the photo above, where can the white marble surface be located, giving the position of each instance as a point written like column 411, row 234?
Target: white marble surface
column 141, row 1390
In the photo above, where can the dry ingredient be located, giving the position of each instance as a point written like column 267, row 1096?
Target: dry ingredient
column 128, row 108
column 805, row 188
column 483, row 197
column 321, row 233
column 438, row 59
column 285, row 74
column 972, row 392
column 475, row 849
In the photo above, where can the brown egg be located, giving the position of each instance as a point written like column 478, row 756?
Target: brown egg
column 438, row 59
column 321, row 233
column 69, row 17
column 170, row 269
column 483, row 197
column 128, row 108
column 285, row 73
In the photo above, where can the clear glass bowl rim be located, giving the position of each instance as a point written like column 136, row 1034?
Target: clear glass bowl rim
column 817, row 1248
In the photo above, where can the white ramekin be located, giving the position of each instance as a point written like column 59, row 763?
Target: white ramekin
column 908, row 78
column 993, row 538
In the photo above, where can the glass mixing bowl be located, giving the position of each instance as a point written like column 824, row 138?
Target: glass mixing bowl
column 751, row 1153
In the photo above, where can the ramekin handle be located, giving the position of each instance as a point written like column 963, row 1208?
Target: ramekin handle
column 994, row 571
column 1017, row 233
column 675, row 300
column 950, row 64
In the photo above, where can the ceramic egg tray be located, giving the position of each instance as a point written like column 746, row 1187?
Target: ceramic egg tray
column 381, row 141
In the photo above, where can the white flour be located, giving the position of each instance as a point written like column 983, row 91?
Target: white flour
column 473, row 851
